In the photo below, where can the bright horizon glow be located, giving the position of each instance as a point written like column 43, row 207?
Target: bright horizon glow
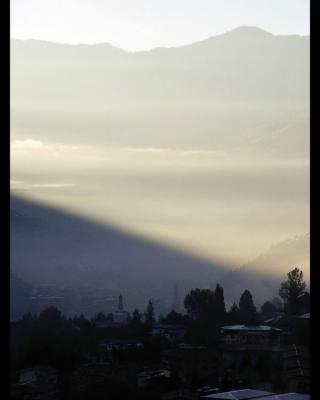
column 147, row 24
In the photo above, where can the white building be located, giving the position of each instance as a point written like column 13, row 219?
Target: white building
column 120, row 316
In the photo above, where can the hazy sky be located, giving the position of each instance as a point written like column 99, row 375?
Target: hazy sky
column 144, row 24
column 221, row 206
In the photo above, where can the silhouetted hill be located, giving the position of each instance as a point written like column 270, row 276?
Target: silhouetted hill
column 52, row 247
column 264, row 273
column 284, row 256
column 20, row 292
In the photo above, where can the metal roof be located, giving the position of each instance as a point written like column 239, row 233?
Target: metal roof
column 243, row 394
column 287, row 396
column 261, row 328
column 305, row 316
column 248, row 394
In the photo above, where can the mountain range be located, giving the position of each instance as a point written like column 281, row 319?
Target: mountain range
column 167, row 96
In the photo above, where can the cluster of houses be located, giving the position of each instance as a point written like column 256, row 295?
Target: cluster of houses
column 242, row 394
column 41, row 382
column 255, row 341
column 252, row 394
column 272, row 338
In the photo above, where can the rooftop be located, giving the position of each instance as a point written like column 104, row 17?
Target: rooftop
column 243, row 394
column 120, row 341
column 259, row 328
column 189, row 346
column 248, row 394
column 168, row 326
column 287, row 396
column 305, row 316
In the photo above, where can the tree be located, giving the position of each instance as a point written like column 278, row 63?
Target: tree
column 206, row 304
column 247, row 308
column 50, row 314
column 292, row 290
column 220, row 306
column 174, row 318
column 136, row 317
column 100, row 317
column 150, row 314
column 234, row 314
column 200, row 303
column 50, row 320
column 305, row 303
column 268, row 309
column 110, row 317
column 206, row 309
column 277, row 302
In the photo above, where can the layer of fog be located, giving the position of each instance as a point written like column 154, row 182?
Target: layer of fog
column 212, row 203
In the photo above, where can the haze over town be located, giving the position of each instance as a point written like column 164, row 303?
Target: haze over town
column 203, row 147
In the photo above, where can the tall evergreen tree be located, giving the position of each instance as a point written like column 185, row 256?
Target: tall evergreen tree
column 200, row 304
column 277, row 302
column 268, row 309
column 292, row 291
column 221, row 308
column 234, row 314
column 247, row 308
column 136, row 317
column 305, row 303
column 100, row 317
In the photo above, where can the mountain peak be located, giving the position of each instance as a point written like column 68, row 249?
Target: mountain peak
column 247, row 30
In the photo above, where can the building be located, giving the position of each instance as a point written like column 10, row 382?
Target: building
column 301, row 329
column 118, row 344
column 99, row 380
column 284, row 322
column 109, row 349
column 304, row 316
column 242, row 394
column 180, row 394
column 250, row 394
column 120, row 316
column 174, row 333
column 196, row 364
column 262, row 335
column 251, row 343
column 286, row 396
column 297, row 368
column 144, row 377
column 39, row 382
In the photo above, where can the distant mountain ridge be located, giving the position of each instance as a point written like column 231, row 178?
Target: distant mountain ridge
column 247, row 32
column 293, row 252
column 264, row 273
column 139, row 98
